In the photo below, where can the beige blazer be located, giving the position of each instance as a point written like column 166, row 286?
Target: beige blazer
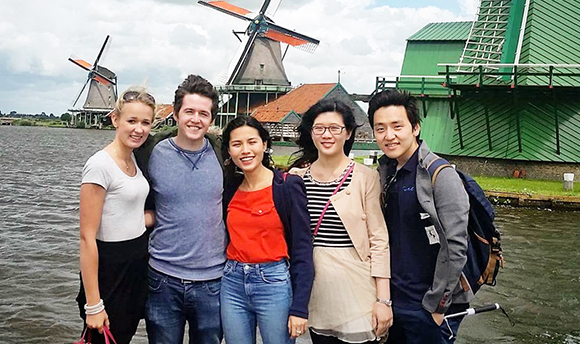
column 359, row 208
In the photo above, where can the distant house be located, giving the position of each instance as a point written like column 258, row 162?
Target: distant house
column 282, row 115
column 163, row 116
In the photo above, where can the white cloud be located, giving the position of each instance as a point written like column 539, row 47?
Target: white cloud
column 162, row 41
column 469, row 8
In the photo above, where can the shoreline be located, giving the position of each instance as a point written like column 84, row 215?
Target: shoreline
column 533, row 201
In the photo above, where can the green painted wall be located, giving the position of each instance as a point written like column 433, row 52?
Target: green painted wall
column 537, row 126
column 437, row 128
column 421, row 57
column 552, row 36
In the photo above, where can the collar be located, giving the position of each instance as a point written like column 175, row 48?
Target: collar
column 391, row 164
column 411, row 164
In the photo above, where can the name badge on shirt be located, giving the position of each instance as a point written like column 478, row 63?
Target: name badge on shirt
column 432, row 235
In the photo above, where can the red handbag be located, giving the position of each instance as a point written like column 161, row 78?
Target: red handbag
column 86, row 337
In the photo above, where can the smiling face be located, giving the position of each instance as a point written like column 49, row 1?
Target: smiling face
column 133, row 124
column 327, row 142
column 193, row 121
column 246, row 148
column 394, row 133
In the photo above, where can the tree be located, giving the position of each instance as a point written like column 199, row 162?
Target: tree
column 66, row 117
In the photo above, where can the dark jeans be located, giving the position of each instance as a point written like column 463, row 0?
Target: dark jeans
column 418, row 327
column 173, row 301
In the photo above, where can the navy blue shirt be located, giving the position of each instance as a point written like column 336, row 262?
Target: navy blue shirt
column 413, row 258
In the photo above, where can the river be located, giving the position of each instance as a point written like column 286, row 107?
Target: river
column 40, row 170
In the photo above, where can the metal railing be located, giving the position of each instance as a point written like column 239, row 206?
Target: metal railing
column 513, row 75
column 421, row 85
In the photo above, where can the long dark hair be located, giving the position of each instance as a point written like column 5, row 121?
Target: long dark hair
column 238, row 122
column 307, row 153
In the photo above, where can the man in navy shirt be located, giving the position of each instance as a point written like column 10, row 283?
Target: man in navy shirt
column 427, row 226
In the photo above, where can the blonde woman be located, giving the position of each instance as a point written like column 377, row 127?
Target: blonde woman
column 113, row 242
column 351, row 301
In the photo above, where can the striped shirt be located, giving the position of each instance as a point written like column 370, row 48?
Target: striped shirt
column 332, row 232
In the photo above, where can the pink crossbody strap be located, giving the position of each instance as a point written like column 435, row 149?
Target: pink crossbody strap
column 328, row 202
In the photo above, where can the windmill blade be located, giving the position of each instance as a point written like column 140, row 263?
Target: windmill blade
column 227, row 8
column 264, row 6
column 103, row 79
column 293, row 38
column 272, row 8
column 80, row 62
column 103, row 48
column 81, row 92
column 237, row 66
column 234, row 61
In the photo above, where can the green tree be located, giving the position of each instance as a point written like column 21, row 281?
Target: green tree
column 66, row 117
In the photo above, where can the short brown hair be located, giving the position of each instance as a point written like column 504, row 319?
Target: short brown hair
column 195, row 84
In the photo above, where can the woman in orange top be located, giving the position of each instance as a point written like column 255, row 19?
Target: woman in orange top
column 269, row 271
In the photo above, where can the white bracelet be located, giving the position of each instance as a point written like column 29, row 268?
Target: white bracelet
column 95, row 311
column 388, row 303
column 94, row 307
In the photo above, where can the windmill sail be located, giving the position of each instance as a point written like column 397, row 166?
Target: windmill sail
column 102, row 92
column 259, row 59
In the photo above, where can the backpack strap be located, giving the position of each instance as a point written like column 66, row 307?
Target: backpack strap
column 435, row 166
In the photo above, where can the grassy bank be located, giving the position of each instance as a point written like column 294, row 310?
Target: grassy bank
column 40, row 123
column 526, row 186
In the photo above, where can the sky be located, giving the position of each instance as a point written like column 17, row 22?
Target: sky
column 157, row 43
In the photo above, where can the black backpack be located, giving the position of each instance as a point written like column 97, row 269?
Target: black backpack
column 484, row 254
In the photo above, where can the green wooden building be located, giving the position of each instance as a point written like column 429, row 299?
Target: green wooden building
column 503, row 90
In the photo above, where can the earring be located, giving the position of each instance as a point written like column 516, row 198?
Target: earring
column 228, row 161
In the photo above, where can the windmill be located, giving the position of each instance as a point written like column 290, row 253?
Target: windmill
column 258, row 61
column 102, row 93
column 259, row 58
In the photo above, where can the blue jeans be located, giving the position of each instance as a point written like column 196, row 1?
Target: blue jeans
column 418, row 327
column 256, row 294
column 172, row 301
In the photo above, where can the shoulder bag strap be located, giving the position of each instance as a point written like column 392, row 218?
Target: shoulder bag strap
column 328, row 202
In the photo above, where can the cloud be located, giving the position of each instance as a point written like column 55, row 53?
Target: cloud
column 161, row 41
column 469, row 7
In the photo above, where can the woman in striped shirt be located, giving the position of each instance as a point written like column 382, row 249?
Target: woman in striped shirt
column 350, row 300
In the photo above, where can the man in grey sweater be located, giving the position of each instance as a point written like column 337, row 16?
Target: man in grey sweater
column 187, row 245
column 427, row 226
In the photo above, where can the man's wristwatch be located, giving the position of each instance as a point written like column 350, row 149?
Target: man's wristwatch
column 388, row 303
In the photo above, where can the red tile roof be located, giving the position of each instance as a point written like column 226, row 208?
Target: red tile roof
column 163, row 111
column 297, row 100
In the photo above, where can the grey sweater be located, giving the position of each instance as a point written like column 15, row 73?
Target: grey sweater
column 189, row 239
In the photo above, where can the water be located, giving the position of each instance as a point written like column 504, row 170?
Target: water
column 40, row 171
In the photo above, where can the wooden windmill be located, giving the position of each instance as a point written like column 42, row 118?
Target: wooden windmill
column 258, row 61
column 256, row 73
column 102, row 93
